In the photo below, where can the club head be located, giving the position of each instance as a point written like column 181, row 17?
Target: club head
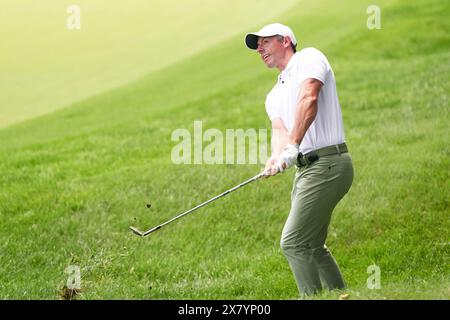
column 137, row 231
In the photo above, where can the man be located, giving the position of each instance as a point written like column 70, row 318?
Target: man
column 307, row 131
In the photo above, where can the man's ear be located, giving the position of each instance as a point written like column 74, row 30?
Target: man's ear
column 287, row 41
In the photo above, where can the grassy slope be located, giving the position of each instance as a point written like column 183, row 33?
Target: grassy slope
column 45, row 66
column 73, row 181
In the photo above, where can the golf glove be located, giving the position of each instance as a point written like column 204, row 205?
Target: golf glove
column 288, row 157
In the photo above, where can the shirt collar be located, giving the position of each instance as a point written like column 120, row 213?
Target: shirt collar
column 286, row 71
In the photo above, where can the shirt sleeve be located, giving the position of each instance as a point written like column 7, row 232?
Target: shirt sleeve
column 313, row 65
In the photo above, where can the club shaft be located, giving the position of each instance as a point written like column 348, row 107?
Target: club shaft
column 203, row 204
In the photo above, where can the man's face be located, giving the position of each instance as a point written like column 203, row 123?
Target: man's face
column 271, row 50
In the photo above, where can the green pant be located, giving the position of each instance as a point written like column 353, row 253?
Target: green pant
column 317, row 189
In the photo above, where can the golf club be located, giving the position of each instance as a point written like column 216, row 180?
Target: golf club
column 144, row 233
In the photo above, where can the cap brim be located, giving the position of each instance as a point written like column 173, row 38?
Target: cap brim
column 251, row 40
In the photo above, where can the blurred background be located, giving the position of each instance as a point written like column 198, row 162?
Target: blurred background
column 87, row 116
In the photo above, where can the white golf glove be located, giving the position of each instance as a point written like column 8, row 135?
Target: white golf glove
column 288, row 157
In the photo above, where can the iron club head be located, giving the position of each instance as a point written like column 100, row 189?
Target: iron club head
column 137, row 231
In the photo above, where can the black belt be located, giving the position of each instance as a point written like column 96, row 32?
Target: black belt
column 313, row 156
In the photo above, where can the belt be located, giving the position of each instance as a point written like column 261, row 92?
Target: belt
column 313, row 156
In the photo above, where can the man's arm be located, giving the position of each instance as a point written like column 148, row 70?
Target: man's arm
column 280, row 137
column 306, row 109
column 304, row 115
column 285, row 146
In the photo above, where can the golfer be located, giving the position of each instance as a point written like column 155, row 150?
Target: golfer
column 308, row 132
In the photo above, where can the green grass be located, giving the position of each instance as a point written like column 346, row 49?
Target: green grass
column 45, row 66
column 73, row 181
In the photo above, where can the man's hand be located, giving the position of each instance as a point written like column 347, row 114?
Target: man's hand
column 270, row 169
column 285, row 160
column 288, row 157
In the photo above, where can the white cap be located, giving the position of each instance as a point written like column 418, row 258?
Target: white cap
column 251, row 39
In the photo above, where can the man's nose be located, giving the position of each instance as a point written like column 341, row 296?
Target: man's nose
column 259, row 48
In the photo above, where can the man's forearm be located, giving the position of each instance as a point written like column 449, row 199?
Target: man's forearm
column 279, row 141
column 305, row 115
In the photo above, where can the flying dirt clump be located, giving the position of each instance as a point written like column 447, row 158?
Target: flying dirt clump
column 68, row 294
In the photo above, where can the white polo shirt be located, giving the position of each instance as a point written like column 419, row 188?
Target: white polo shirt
column 281, row 102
